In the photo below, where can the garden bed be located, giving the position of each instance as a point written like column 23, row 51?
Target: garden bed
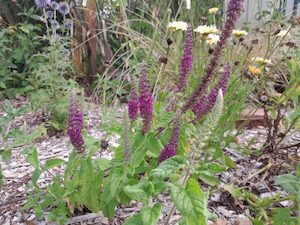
column 256, row 174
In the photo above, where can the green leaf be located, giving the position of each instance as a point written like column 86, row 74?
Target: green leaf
column 116, row 179
column 138, row 150
column 191, row 202
column 35, row 176
column 283, row 217
column 150, row 215
column 32, row 157
column 208, row 178
column 50, row 163
column 168, row 167
column 289, row 182
column 139, row 192
column 147, row 216
column 134, row 220
column 154, row 146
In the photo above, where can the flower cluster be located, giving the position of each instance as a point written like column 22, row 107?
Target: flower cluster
column 75, row 125
column 186, row 63
column 133, row 105
column 42, row 3
column 239, row 33
column 233, row 13
column 178, row 25
column 145, row 100
column 205, row 30
column 170, row 149
column 206, row 103
column 213, row 11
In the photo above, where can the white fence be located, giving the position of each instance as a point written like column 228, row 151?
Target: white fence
column 288, row 8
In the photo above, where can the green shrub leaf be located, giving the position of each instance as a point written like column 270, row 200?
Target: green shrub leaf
column 168, row 167
column 191, row 202
column 50, row 163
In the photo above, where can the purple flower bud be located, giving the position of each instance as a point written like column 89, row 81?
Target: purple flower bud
column 75, row 125
column 233, row 12
column 133, row 105
column 42, row 3
column 186, row 63
column 145, row 100
column 170, row 149
column 64, row 8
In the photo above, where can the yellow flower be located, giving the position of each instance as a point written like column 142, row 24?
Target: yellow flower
column 212, row 39
column 261, row 60
column 282, row 33
column 177, row 25
column 254, row 70
column 239, row 33
column 206, row 30
column 213, row 11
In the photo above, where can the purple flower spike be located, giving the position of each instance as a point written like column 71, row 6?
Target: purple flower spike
column 204, row 105
column 222, row 84
column 64, row 8
column 75, row 125
column 42, row 3
column 133, row 105
column 145, row 100
column 200, row 108
column 233, row 12
column 170, row 149
column 186, row 63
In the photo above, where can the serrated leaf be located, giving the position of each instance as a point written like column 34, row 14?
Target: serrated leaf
column 150, row 215
column 208, row 178
column 50, row 163
column 147, row 216
column 289, row 182
column 282, row 217
column 168, row 167
column 191, row 202
column 139, row 191
column 134, row 220
column 116, row 179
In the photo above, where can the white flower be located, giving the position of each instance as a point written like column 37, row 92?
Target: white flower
column 188, row 4
column 261, row 60
column 206, row 30
column 282, row 33
column 239, row 33
column 178, row 25
column 212, row 39
column 213, row 11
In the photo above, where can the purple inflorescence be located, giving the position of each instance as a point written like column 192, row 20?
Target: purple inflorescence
column 233, row 13
column 145, row 100
column 204, row 105
column 133, row 105
column 170, row 149
column 64, row 8
column 42, row 3
column 186, row 63
column 54, row 5
column 75, row 125
column 49, row 14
